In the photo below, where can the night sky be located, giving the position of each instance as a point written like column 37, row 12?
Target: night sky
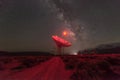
column 27, row 25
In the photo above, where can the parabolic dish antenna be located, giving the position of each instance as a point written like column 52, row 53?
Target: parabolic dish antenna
column 60, row 42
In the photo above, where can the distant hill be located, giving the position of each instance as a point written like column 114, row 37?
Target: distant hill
column 104, row 49
column 32, row 53
column 109, row 46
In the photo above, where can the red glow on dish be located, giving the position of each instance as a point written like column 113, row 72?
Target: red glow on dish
column 61, row 42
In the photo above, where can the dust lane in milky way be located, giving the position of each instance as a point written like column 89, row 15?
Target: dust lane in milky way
column 27, row 25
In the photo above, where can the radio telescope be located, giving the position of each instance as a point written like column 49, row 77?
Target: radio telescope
column 60, row 42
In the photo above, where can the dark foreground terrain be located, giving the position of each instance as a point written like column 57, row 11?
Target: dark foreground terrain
column 67, row 67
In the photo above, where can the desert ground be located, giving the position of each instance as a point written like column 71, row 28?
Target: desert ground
column 64, row 67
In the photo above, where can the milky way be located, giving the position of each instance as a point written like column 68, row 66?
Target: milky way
column 29, row 24
column 65, row 13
